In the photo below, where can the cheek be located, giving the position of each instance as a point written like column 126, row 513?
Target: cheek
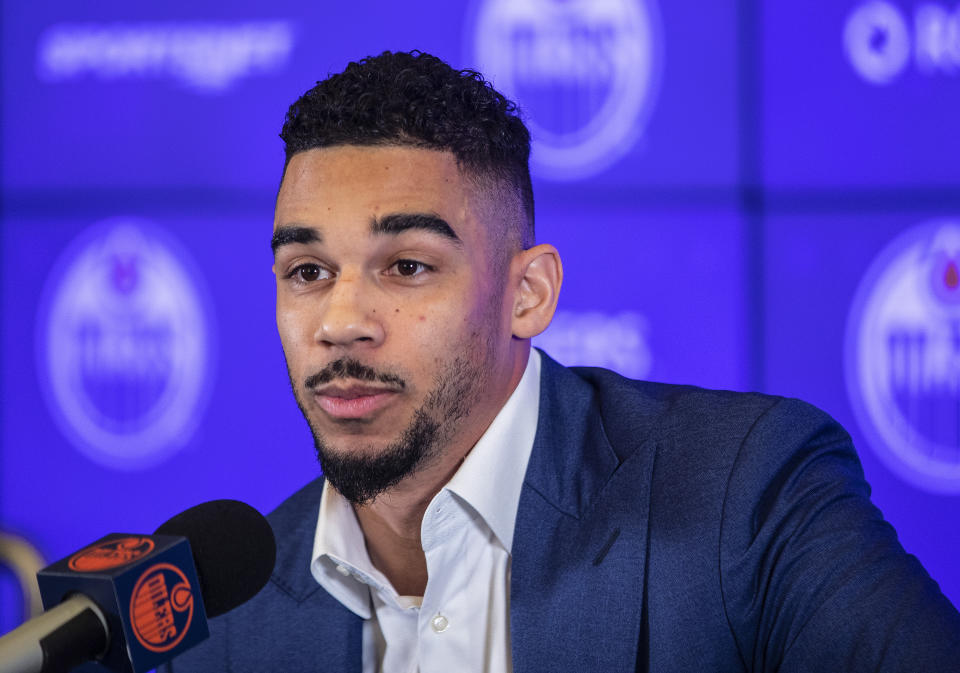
column 423, row 328
column 415, row 319
column 292, row 328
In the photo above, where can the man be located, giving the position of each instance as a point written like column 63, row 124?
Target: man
column 484, row 508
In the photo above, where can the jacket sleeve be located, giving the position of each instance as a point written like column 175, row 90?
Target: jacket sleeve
column 813, row 578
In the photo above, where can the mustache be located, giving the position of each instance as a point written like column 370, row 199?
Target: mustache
column 348, row 368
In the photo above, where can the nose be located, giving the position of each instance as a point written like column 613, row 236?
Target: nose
column 348, row 317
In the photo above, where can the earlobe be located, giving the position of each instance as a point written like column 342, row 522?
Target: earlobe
column 540, row 276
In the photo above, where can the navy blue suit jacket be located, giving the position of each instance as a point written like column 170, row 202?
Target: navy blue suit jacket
column 660, row 528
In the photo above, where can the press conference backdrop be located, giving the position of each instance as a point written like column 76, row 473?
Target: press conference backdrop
column 746, row 195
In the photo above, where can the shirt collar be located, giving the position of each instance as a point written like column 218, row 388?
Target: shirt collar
column 491, row 476
column 340, row 559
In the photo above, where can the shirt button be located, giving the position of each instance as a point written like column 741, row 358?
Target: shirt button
column 439, row 623
column 343, row 570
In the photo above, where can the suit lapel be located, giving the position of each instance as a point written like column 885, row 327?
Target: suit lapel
column 324, row 630
column 580, row 541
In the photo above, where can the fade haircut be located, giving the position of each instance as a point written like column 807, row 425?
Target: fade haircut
column 415, row 99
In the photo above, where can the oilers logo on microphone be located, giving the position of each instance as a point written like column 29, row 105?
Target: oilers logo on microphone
column 585, row 73
column 903, row 356
column 125, row 345
column 161, row 607
column 111, row 553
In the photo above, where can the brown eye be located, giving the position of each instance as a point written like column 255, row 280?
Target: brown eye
column 408, row 267
column 308, row 272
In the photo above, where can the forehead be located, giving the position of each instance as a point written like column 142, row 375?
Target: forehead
column 346, row 182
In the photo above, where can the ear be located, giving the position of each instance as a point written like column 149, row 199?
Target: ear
column 539, row 274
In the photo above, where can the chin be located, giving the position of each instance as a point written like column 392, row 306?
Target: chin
column 361, row 470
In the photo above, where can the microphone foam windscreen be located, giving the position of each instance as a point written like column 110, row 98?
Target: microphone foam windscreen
column 233, row 548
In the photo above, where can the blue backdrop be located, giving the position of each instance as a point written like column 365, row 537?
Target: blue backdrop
column 746, row 195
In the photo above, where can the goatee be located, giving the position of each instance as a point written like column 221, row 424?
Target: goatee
column 361, row 476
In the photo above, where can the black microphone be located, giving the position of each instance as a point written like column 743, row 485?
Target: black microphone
column 132, row 602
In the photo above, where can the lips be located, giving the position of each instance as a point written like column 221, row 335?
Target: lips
column 352, row 401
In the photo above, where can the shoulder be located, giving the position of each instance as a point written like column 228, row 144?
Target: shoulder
column 685, row 414
column 739, row 447
column 699, row 442
column 695, row 436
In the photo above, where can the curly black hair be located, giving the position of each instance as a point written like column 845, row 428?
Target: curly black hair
column 418, row 100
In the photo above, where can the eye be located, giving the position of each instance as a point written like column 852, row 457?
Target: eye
column 308, row 273
column 410, row 267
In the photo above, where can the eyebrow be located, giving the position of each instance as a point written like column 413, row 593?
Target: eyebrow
column 290, row 234
column 388, row 225
column 397, row 223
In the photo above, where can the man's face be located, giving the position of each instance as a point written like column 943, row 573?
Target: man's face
column 394, row 318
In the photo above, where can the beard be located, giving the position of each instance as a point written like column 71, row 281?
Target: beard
column 362, row 475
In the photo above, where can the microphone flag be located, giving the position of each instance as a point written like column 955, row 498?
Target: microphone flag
column 147, row 589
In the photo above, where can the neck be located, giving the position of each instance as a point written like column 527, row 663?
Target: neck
column 391, row 527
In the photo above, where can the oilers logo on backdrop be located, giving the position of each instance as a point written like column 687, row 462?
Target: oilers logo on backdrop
column 882, row 40
column 124, row 344
column 584, row 72
column 903, row 356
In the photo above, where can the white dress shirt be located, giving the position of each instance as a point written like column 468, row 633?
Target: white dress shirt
column 462, row 622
